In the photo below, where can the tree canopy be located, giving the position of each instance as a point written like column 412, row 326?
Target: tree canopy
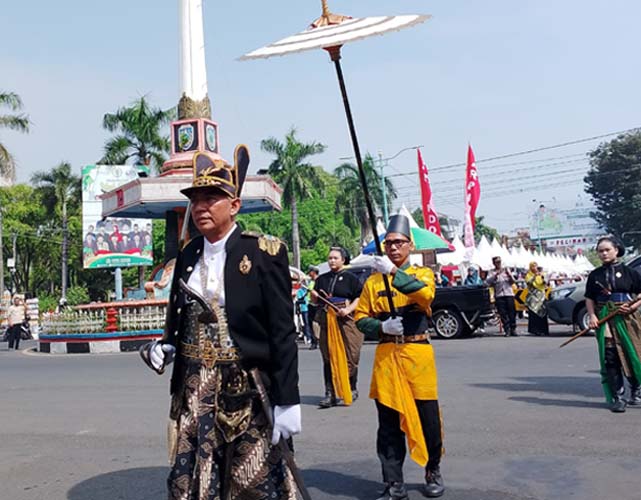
column 138, row 135
column 614, row 182
column 298, row 178
column 350, row 201
column 18, row 122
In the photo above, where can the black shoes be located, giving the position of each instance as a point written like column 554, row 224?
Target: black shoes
column 618, row 404
column 635, row 396
column 354, row 395
column 434, row 486
column 328, row 401
column 394, row 491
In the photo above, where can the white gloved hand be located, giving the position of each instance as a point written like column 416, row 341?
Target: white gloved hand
column 160, row 355
column 383, row 264
column 393, row 326
column 287, row 422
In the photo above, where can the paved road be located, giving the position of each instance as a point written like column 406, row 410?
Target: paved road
column 523, row 421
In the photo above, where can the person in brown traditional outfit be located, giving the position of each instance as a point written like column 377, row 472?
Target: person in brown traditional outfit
column 611, row 286
column 340, row 339
column 230, row 313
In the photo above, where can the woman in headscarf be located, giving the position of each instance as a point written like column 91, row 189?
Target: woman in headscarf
column 616, row 287
column 537, row 322
column 472, row 278
column 340, row 340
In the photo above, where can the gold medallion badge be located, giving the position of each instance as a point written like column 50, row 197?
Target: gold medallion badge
column 245, row 265
column 269, row 244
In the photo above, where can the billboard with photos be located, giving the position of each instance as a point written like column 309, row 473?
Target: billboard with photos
column 112, row 242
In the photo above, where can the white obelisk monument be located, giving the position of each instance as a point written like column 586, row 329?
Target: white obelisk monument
column 193, row 131
column 193, row 70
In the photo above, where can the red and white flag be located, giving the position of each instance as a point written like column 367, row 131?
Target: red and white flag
column 472, row 197
column 430, row 217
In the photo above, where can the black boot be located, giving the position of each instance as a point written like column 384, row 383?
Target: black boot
column 618, row 403
column 434, row 486
column 328, row 401
column 615, row 380
column 353, row 383
column 394, row 491
column 635, row 395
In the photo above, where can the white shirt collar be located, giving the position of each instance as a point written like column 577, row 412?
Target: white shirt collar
column 212, row 249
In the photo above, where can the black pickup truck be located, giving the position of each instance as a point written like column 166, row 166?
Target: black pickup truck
column 456, row 311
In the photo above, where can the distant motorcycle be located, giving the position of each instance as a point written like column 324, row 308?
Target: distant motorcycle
column 25, row 330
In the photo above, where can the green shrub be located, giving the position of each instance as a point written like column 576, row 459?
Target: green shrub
column 77, row 295
column 47, row 302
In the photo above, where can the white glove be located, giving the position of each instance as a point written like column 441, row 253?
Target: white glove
column 383, row 264
column 160, row 355
column 393, row 326
column 287, row 422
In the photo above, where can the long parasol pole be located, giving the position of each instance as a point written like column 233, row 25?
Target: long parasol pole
column 335, row 55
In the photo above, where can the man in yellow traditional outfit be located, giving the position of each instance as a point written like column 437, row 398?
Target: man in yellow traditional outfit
column 404, row 383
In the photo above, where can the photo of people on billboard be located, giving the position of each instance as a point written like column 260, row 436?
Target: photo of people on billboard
column 112, row 242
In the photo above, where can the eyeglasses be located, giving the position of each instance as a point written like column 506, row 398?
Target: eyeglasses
column 396, row 243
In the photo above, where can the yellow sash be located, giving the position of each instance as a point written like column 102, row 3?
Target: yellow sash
column 403, row 373
column 338, row 359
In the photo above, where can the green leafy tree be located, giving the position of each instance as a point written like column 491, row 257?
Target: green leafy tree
column 60, row 188
column 320, row 225
column 614, row 182
column 350, row 201
column 298, row 178
column 482, row 229
column 18, row 122
column 139, row 137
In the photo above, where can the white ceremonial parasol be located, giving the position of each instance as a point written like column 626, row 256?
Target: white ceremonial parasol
column 331, row 32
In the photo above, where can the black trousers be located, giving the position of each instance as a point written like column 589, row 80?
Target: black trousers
column 14, row 336
column 390, row 439
column 505, row 307
column 537, row 324
column 614, row 372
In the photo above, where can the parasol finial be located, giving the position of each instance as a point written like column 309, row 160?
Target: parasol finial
column 325, row 8
column 327, row 18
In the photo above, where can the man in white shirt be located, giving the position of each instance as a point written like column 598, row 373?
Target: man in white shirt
column 230, row 313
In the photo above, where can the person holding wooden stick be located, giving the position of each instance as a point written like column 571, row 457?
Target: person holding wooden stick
column 404, row 378
column 336, row 295
column 609, row 288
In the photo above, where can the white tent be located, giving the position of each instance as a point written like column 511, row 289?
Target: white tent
column 483, row 255
column 453, row 258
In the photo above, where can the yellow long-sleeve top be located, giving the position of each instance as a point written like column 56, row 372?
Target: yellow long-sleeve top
column 402, row 372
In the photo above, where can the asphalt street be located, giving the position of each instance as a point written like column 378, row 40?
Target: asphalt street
column 523, row 420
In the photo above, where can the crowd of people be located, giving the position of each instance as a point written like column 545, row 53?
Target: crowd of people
column 118, row 236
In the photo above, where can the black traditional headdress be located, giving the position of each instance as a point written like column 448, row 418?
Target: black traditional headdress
column 216, row 173
column 399, row 224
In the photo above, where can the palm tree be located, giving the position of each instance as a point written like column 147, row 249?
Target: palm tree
column 60, row 188
column 297, row 178
column 19, row 122
column 351, row 200
column 138, row 135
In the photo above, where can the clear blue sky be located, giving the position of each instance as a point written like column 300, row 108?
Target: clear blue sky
column 504, row 75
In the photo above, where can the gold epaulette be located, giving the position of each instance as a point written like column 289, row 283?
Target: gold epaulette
column 266, row 242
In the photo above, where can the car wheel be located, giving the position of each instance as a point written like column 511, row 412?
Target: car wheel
column 448, row 324
column 582, row 318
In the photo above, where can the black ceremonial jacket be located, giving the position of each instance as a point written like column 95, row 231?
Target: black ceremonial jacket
column 259, row 308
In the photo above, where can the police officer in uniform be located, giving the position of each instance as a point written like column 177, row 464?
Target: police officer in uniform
column 404, row 381
column 230, row 312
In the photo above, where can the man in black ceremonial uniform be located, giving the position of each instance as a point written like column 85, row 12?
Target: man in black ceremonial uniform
column 230, row 312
